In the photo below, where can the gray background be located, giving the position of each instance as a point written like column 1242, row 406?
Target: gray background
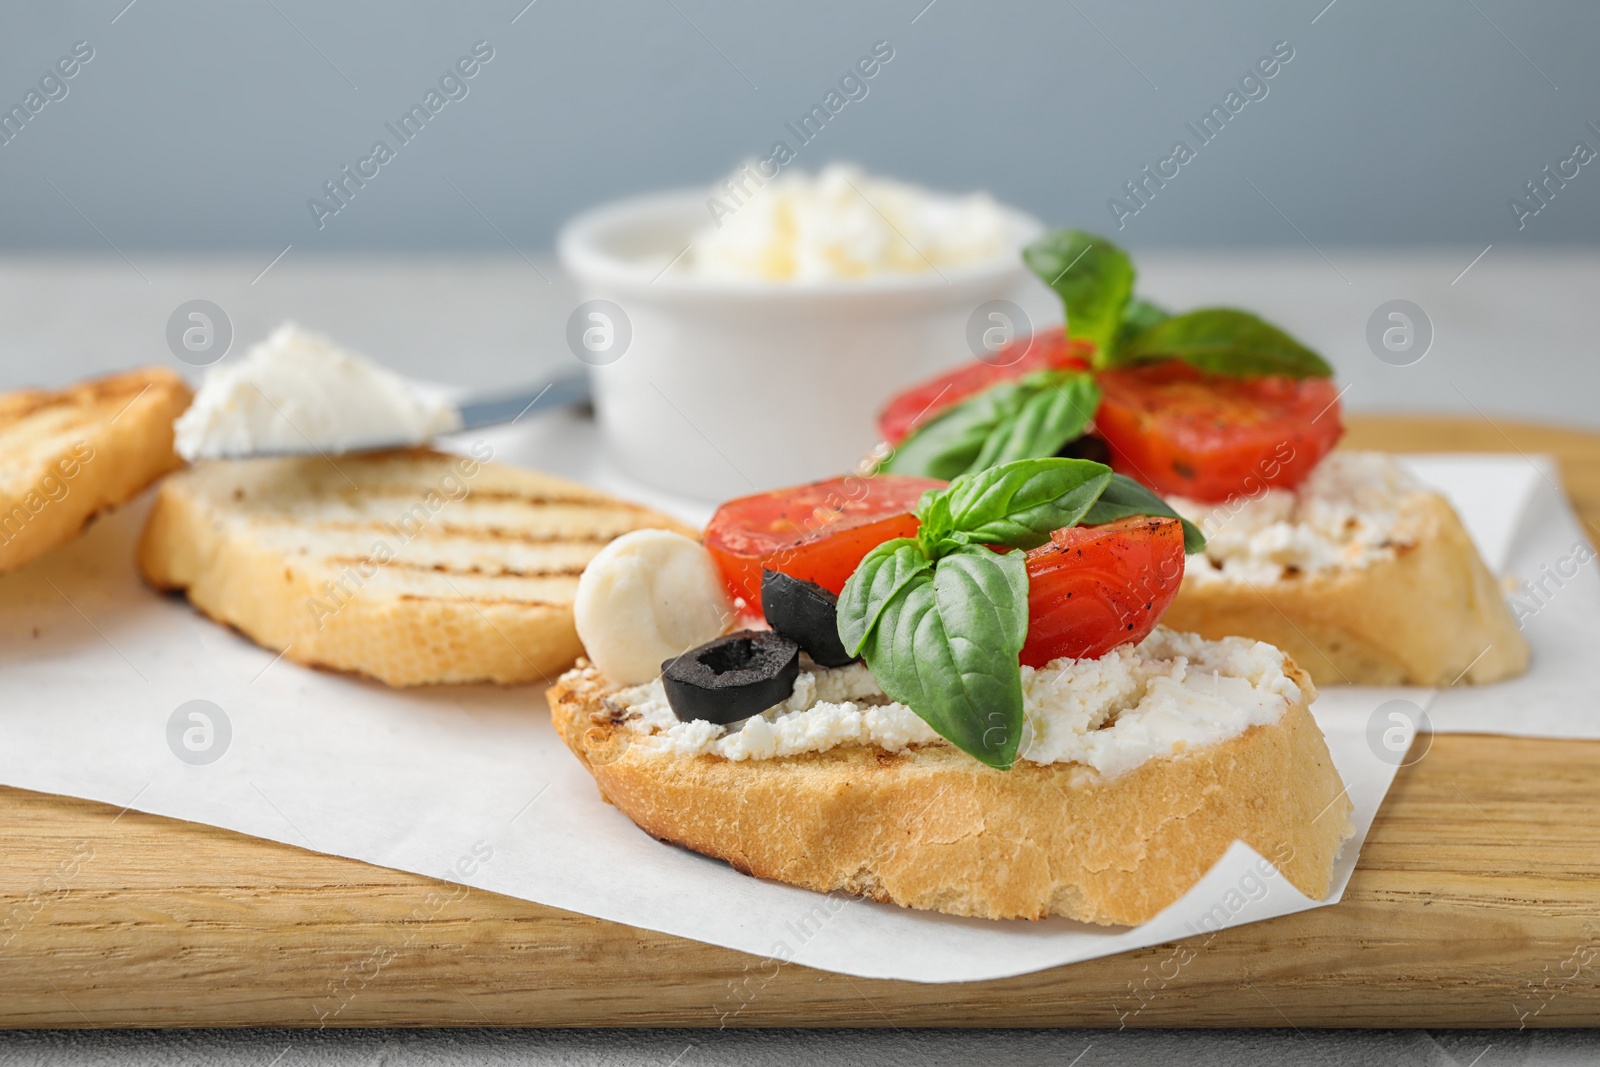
column 1378, row 167
column 201, row 125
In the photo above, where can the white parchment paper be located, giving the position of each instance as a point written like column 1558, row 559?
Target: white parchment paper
column 470, row 784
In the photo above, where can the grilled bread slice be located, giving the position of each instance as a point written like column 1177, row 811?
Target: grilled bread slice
column 410, row 566
column 1429, row 613
column 69, row 454
column 932, row 828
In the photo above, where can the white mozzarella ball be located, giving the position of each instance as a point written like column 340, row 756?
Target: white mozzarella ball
column 646, row 597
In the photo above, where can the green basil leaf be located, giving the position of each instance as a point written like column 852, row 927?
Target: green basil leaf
column 1031, row 417
column 946, row 645
column 1124, row 498
column 880, row 576
column 1094, row 279
column 1225, row 341
column 1019, row 503
column 1138, row 315
column 1057, row 411
column 949, row 444
column 933, row 514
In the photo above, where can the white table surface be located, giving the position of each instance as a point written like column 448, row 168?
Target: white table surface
column 1515, row 336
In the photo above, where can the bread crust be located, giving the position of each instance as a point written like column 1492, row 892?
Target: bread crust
column 1431, row 615
column 76, row 452
column 263, row 571
column 932, row 828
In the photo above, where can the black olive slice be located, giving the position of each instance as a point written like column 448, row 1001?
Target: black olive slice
column 806, row 612
column 733, row 677
column 1086, row 447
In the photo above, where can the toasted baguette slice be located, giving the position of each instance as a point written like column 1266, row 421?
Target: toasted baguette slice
column 1431, row 614
column 71, row 453
column 412, row 567
column 933, row 828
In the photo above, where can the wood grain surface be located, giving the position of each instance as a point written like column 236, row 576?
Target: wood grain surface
column 1476, row 903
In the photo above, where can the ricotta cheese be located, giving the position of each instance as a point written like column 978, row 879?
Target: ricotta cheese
column 299, row 392
column 1351, row 512
column 1139, row 702
column 839, row 225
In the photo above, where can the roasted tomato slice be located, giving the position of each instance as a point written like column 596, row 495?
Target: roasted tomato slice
column 1093, row 588
column 817, row 532
column 1049, row 350
column 1204, row 436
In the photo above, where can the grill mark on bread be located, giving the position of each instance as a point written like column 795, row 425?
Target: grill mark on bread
column 495, row 600
column 419, row 491
column 304, row 509
column 435, row 532
column 500, row 533
column 567, row 571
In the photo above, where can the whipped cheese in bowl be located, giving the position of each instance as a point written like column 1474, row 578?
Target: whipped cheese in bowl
column 839, row 225
column 299, row 392
column 1170, row 692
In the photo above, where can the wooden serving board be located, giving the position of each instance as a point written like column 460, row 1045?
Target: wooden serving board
column 1476, row 903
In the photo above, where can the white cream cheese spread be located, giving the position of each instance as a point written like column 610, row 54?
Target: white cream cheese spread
column 1351, row 512
column 839, row 225
column 1139, row 702
column 299, row 392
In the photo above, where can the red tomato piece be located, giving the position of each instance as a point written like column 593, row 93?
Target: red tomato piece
column 1049, row 350
column 1182, row 431
column 1093, row 588
column 817, row 532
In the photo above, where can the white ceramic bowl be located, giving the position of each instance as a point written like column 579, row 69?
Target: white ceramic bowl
column 729, row 388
